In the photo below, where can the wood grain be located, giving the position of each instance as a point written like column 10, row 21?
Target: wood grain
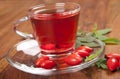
column 104, row 12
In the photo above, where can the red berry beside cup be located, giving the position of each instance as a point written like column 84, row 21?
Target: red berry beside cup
column 112, row 64
column 73, row 59
column 40, row 60
column 48, row 64
column 111, row 55
column 82, row 53
column 45, row 62
column 113, row 61
column 85, row 48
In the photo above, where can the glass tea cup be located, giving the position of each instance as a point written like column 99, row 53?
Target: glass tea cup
column 54, row 26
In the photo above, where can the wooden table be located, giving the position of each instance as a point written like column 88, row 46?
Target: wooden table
column 104, row 12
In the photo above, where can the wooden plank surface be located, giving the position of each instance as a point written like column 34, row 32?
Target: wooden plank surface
column 104, row 12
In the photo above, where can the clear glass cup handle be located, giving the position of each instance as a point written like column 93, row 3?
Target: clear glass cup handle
column 20, row 33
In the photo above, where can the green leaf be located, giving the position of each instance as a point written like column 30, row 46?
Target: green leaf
column 112, row 41
column 103, row 66
column 79, row 33
column 104, row 31
column 92, row 56
column 78, row 43
column 86, row 38
column 89, row 39
column 89, row 34
column 91, row 44
column 101, row 63
column 102, row 38
column 99, row 36
column 82, row 39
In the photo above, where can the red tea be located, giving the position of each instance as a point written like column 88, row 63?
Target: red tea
column 55, row 31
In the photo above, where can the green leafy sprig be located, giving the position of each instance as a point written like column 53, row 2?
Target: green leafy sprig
column 101, row 63
column 88, row 38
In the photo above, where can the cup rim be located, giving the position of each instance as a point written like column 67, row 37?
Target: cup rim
column 76, row 9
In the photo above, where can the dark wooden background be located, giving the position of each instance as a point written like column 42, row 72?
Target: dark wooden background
column 104, row 12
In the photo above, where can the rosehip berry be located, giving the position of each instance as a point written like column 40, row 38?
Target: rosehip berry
column 48, row 46
column 112, row 64
column 119, row 63
column 85, row 48
column 82, row 53
column 73, row 59
column 113, row 55
column 48, row 64
column 40, row 60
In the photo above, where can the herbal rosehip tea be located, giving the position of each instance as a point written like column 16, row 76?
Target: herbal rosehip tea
column 55, row 26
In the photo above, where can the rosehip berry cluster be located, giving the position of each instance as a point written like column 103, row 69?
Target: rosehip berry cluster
column 78, row 55
column 45, row 62
column 113, row 61
column 73, row 59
